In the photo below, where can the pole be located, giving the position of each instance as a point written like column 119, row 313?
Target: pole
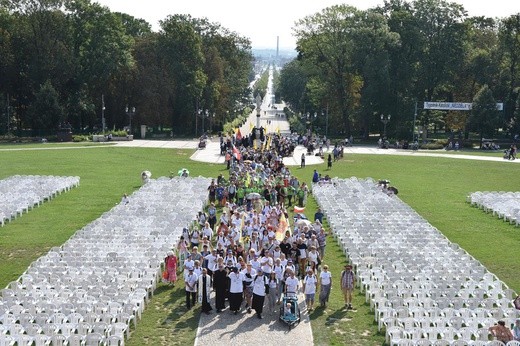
column 258, row 109
column 414, row 118
column 8, row 117
column 103, row 124
column 327, row 122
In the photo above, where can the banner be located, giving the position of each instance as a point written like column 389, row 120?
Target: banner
column 454, row 106
column 282, row 227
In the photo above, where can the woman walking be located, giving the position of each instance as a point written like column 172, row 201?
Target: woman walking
column 236, row 290
column 326, row 285
column 170, row 263
column 272, row 296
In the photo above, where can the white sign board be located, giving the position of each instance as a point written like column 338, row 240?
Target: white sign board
column 454, row 106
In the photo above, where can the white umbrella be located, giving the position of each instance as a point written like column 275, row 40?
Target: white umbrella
column 303, row 223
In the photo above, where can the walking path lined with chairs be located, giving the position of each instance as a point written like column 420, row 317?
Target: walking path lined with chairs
column 418, row 283
column 99, row 281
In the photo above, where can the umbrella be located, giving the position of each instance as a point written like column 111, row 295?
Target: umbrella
column 303, row 223
column 253, row 195
column 183, row 171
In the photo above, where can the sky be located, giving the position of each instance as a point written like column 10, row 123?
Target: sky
column 262, row 22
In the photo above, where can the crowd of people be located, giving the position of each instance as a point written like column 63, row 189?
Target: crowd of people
column 249, row 254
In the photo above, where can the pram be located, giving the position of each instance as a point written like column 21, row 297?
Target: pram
column 290, row 315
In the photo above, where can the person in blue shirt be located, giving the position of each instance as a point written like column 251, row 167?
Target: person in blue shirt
column 318, row 216
column 315, row 177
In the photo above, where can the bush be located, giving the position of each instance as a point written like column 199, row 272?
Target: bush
column 80, row 138
column 432, row 145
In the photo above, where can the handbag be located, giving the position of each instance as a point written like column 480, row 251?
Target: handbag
column 165, row 274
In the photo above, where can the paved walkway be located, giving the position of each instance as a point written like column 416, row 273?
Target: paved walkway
column 226, row 328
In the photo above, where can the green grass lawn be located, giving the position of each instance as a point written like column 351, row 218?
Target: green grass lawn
column 435, row 187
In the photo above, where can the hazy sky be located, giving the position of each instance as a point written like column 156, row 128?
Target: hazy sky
column 263, row 21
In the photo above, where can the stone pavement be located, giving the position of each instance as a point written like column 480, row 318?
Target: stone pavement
column 211, row 153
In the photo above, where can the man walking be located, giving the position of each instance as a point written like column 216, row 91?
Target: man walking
column 347, row 285
column 190, row 281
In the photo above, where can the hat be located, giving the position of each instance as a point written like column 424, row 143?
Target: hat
column 289, row 261
column 189, row 255
column 190, row 269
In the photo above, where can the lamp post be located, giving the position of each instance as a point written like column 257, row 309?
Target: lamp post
column 204, row 115
column 385, row 120
column 258, row 106
column 130, row 112
column 103, row 122
column 414, row 119
column 326, row 114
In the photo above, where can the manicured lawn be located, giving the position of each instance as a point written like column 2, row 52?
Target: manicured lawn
column 435, row 187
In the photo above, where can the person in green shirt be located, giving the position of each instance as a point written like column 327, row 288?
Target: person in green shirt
column 290, row 194
column 241, row 192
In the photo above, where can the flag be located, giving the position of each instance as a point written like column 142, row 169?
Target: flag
column 237, row 153
column 251, row 126
column 299, row 210
column 238, row 134
column 248, row 179
column 242, row 224
column 278, row 129
column 282, row 227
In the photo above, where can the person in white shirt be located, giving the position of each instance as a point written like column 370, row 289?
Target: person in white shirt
column 188, row 263
column 236, row 289
column 190, row 281
column 272, row 295
column 278, row 270
column 325, row 285
column 309, row 288
column 260, row 289
column 292, row 283
column 207, row 231
column 249, row 275
column 212, row 261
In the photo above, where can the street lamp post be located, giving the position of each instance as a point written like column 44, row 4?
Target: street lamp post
column 103, row 121
column 385, row 120
column 258, row 106
column 204, row 115
column 130, row 112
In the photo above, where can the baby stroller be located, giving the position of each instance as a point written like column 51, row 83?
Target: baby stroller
column 290, row 311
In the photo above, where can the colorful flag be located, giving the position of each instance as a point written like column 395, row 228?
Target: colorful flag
column 237, row 153
column 282, row 227
column 299, row 210
column 238, row 134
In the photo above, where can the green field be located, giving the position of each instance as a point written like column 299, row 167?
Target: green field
column 435, row 187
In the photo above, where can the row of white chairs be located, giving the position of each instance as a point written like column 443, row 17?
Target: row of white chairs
column 106, row 273
column 503, row 204
column 402, row 261
column 21, row 193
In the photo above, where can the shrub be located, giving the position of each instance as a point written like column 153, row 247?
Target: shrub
column 81, row 138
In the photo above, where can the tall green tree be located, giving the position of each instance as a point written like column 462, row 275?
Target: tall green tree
column 181, row 51
column 509, row 36
column 325, row 42
column 484, row 114
column 46, row 112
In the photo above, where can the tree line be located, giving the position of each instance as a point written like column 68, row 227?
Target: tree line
column 355, row 66
column 74, row 62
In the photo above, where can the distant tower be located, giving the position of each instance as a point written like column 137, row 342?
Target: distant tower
column 277, row 45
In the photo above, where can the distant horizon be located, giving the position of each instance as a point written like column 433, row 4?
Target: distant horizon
column 265, row 21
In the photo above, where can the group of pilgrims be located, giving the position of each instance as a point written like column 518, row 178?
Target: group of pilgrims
column 249, row 252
